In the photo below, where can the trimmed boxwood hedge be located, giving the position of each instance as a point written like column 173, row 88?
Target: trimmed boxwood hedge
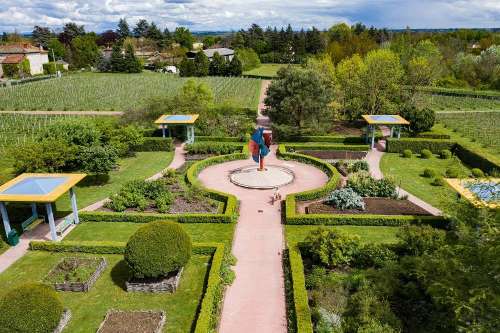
column 394, row 145
column 208, row 314
column 329, row 139
column 325, row 146
column 157, row 249
column 477, row 160
column 155, row 144
column 30, row 308
column 204, row 138
column 300, row 298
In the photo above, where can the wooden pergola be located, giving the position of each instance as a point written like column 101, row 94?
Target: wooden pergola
column 36, row 188
column 187, row 120
column 394, row 122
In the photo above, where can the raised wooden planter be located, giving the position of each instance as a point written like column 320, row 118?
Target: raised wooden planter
column 167, row 284
column 82, row 286
column 65, row 318
column 132, row 321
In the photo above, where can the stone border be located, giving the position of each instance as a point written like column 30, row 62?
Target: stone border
column 260, row 187
column 168, row 284
column 80, row 286
column 158, row 329
column 65, row 318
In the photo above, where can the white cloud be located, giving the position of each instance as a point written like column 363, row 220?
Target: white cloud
column 99, row 15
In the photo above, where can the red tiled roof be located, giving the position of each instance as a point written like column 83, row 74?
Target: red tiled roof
column 13, row 59
column 23, row 48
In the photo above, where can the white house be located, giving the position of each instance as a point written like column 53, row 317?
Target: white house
column 228, row 54
column 16, row 53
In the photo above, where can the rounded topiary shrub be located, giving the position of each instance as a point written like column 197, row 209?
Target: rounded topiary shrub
column 452, row 173
column 157, row 249
column 429, row 173
column 445, row 154
column 407, row 153
column 477, row 173
column 425, row 153
column 438, row 181
column 30, row 308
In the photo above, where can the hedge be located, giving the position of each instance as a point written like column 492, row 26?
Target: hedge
column 488, row 94
column 203, row 138
column 476, row 159
column 394, row 145
column 330, row 139
column 155, row 144
column 362, row 219
column 326, row 146
column 230, row 202
column 209, row 309
column 214, row 147
column 300, row 298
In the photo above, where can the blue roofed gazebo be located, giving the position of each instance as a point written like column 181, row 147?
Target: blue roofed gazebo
column 394, row 122
column 39, row 188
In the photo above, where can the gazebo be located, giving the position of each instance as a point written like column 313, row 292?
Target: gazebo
column 394, row 122
column 187, row 120
column 39, row 188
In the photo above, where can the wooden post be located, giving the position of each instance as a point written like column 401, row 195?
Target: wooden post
column 52, row 224
column 5, row 218
column 72, row 196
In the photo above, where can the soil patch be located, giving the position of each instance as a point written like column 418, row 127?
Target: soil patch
column 335, row 154
column 132, row 322
column 343, row 127
column 379, row 206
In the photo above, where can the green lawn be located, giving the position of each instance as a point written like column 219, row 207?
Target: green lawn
column 269, row 70
column 89, row 309
column 121, row 231
column 297, row 233
column 119, row 92
column 141, row 166
column 407, row 174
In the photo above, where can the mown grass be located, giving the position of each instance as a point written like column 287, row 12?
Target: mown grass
column 368, row 234
column 88, row 309
column 269, row 70
column 407, row 172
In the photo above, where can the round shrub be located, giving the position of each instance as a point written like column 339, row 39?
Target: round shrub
column 425, row 153
column 157, row 249
column 445, row 154
column 477, row 173
column 452, row 173
column 407, row 153
column 30, row 308
column 438, row 181
column 421, row 120
column 429, row 173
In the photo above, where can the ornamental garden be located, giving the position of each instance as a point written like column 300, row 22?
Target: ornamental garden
column 397, row 233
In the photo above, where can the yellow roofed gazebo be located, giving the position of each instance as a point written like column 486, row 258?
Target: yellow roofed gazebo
column 394, row 122
column 187, row 120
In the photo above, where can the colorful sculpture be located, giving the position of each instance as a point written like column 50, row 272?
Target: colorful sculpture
column 260, row 141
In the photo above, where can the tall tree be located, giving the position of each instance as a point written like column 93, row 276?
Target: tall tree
column 131, row 63
column 154, row 33
column 41, row 35
column 84, row 51
column 201, row 63
column 217, row 66
column 141, row 28
column 234, row 68
column 116, row 59
column 184, row 37
column 56, row 49
column 123, row 30
column 70, row 31
column 314, row 41
column 187, row 67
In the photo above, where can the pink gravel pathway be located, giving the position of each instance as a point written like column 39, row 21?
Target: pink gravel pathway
column 255, row 302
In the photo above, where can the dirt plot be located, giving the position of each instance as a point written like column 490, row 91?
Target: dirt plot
column 343, row 127
column 381, row 206
column 132, row 322
column 334, row 154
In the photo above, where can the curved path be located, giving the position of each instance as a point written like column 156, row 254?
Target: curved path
column 255, row 302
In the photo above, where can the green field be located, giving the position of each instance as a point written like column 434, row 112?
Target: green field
column 367, row 234
column 266, row 70
column 480, row 127
column 458, row 103
column 118, row 92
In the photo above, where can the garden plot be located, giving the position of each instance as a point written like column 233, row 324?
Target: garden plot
column 459, row 103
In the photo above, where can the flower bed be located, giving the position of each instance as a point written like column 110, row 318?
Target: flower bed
column 334, row 154
column 132, row 322
column 76, row 274
column 382, row 206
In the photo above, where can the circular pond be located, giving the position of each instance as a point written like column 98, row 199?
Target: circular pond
column 273, row 176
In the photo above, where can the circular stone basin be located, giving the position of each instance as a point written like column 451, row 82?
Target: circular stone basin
column 273, row 176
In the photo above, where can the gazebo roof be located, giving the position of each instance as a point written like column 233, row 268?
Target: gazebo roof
column 386, row 119
column 177, row 119
column 38, row 187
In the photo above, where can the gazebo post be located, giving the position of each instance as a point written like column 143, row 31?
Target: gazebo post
column 5, row 218
column 72, row 196
column 163, row 130
column 392, row 131
column 373, row 136
column 399, row 132
column 33, row 210
column 52, row 224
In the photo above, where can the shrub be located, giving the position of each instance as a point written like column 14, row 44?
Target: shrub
column 477, row 173
column 163, row 201
column 30, row 308
column 445, row 154
column 452, row 172
column 157, row 249
column 98, row 159
column 48, row 155
column 207, row 147
column 425, row 153
column 407, row 153
column 366, row 186
column 438, row 181
column 394, row 145
column 418, row 240
column 374, row 255
column 429, row 173
column 332, row 248
column 345, row 198
column 421, row 120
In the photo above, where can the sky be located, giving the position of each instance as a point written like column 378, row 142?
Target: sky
column 219, row 15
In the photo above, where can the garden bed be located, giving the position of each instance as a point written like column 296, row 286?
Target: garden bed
column 133, row 322
column 343, row 127
column 334, row 155
column 168, row 284
column 379, row 206
column 76, row 274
